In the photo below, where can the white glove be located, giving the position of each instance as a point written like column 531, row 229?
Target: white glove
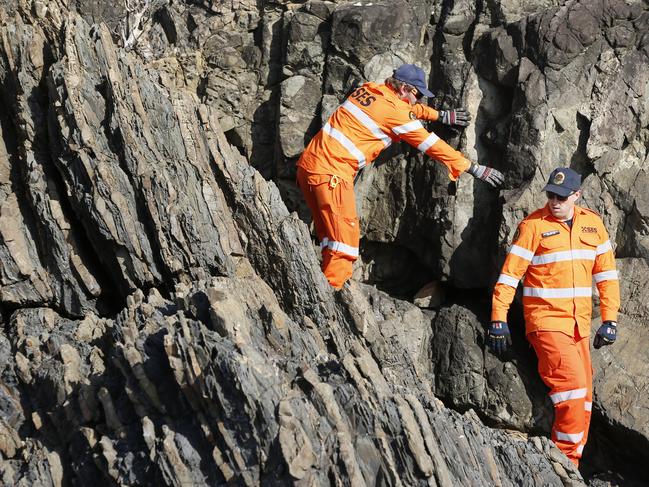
column 459, row 116
column 488, row 174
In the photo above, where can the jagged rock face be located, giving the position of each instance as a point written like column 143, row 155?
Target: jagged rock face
column 165, row 320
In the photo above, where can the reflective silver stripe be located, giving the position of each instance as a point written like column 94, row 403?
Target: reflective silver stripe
column 408, row 127
column 588, row 406
column 521, row 252
column 563, row 255
column 370, row 124
column 605, row 276
column 426, row 144
column 558, row 397
column 605, row 247
column 571, row 437
column 346, row 143
column 339, row 247
column 580, row 449
column 566, row 292
column 508, row 280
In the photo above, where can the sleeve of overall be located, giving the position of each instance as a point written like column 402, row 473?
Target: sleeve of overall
column 424, row 112
column 516, row 263
column 606, row 278
column 406, row 127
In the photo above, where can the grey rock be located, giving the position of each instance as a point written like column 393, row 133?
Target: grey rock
column 468, row 376
column 430, row 296
column 176, row 219
column 165, row 320
column 497, row 44
column 44, row 250
column 203, row 397
column 621, row 375
column 297, row 91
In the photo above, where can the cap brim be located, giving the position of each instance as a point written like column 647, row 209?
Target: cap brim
column 425, row 91
column 560, row 190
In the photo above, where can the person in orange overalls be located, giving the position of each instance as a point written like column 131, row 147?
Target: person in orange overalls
column 560, row 249
column 373, row 117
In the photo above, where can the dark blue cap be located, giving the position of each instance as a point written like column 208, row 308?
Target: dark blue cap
column 563, row 181
column 414, row 76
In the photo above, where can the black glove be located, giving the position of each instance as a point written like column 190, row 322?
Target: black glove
column 487, row 174
column 606, row 334
column 459, row 116
column 498, row 337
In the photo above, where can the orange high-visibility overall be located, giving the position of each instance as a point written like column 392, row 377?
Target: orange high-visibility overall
column 371, row 119
column 559, row 263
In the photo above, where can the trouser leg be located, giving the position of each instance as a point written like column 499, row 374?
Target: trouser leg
column 583, row 346
column 340, row 250
column 333, row 208
column 562, row 368
column 309, row 198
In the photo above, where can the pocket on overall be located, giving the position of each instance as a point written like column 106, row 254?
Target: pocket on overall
column 589, row 240
column 346, row 223
column 548, row 353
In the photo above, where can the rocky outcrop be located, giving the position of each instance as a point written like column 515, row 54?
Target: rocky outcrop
column 164, row 317
column 622, row 374
column 221, row 385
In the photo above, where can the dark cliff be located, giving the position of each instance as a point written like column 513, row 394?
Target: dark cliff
column 164, row 317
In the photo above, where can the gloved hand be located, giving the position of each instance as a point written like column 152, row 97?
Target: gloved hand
column 606, row 334
column 459, row 116
column 498, row 337
column 487, row 174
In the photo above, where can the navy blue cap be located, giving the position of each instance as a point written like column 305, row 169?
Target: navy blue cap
column 563, row 181
column 414, row 76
